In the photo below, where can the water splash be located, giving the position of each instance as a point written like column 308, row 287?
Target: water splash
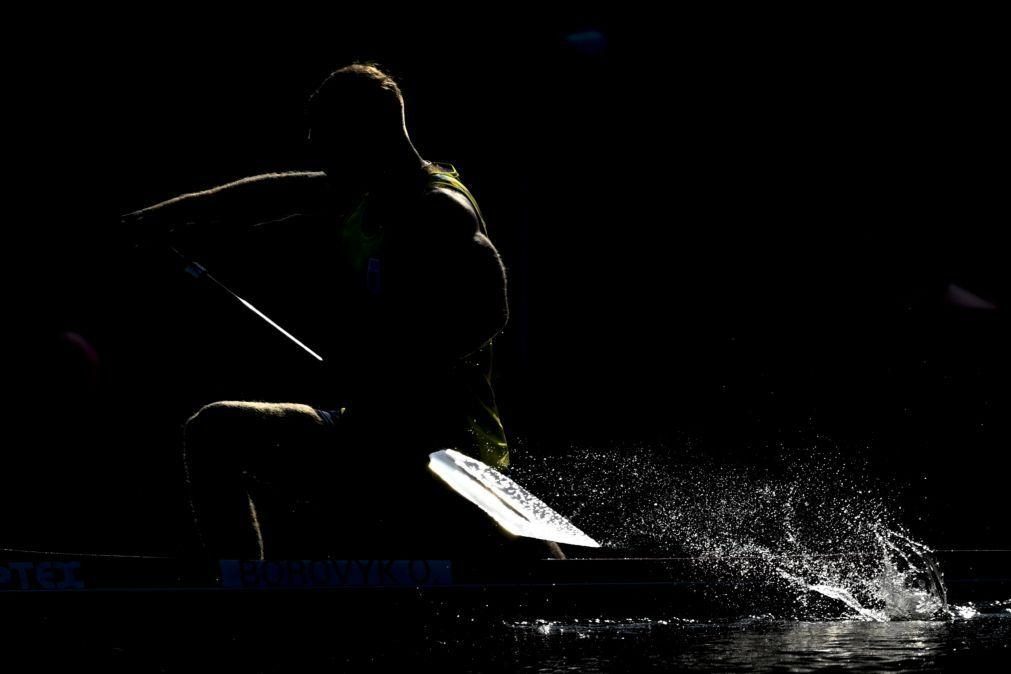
column 815, row 536
column 897, row 581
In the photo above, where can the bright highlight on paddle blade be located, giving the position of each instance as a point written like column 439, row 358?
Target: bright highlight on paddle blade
column 514, row 508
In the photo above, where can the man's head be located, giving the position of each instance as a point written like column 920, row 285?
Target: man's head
column 356, row 122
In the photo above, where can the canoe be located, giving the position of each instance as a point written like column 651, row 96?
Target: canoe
column 640, row 586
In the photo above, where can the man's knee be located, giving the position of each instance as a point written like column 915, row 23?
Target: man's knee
column 210, row 420
column 212, row 436
column 250, row 422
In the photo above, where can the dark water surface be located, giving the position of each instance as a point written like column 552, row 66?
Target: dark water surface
column 771, row 645
column 181, row 633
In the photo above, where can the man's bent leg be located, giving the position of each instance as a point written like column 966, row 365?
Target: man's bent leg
column 234, row 452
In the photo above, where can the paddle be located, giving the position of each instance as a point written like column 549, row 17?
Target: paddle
column 514, row 508
column 199, row 272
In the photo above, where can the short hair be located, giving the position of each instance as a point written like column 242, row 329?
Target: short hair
column 356, row 89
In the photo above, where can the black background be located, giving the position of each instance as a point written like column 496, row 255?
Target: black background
column 734, row 232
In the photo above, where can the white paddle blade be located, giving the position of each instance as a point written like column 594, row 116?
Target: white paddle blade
column 514, row 508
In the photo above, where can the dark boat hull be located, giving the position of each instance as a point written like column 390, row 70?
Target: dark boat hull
column 541, row 587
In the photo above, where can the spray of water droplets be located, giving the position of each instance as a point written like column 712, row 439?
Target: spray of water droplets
column 812, row 535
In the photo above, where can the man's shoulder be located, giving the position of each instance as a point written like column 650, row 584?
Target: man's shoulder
column 448, row 197
column 449, row 200
column 447, row 215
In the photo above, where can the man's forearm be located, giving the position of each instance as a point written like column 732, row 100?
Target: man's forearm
column 242, row 203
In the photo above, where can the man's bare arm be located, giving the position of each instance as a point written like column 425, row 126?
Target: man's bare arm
column 243, row 203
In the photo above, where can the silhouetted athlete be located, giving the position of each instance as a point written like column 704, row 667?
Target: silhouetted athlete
column 417, row 291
